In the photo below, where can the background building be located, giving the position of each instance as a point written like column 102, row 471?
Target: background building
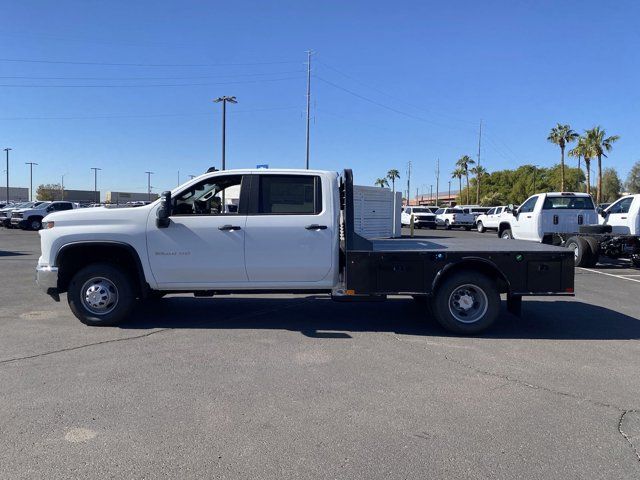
column 17, row 194
column 80, row 196
column 124, row 197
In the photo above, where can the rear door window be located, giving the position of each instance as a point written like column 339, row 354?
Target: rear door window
column 289, row 195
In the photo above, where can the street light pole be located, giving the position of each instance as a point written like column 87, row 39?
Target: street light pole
column 149, row 185
column 7, row 150
column 31, row 164
column 224, row 101
column 449, row 192
column 95, row 183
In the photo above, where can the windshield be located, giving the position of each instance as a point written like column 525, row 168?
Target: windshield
column 421, row 210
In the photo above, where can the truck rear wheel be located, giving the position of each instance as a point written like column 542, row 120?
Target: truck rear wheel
column 594, row 246
column 480, row 227
column 506, row 234
column 581, row 251
column 101, row 295
column 466, row 303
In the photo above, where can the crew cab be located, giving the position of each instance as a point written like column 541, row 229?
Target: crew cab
column 491, row 219
column 31, row 218
column 570, row 220
column 293, row 231
column 454, row 217
column 5, row 213
column 422, row 217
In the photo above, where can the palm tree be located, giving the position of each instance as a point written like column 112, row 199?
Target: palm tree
column 479, row 171
column 600, row 144
column 392, row 175
column 464, row 163
column 458, row 173
column 561, row 135
column 381, row 182
column 584, row 150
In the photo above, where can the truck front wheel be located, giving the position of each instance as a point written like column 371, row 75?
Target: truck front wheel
column 466, row 303
column 101, row 294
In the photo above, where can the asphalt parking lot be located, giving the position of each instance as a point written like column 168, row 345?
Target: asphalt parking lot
column 296, row 386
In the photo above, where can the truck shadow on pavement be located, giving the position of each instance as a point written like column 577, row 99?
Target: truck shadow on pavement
column 319, row 317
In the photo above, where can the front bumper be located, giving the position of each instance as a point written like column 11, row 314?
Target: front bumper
column 47, row 279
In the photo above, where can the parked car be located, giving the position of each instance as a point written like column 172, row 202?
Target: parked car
column 491, row 219
column 454, row 217
column 293, row 232
column 475, row 210
column 31, row 218
column 422, row 217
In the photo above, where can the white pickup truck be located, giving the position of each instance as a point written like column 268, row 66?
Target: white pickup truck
column 491, row 219
column 293, row 231
column 31, row 218
column 455, row 217
column 571, row 220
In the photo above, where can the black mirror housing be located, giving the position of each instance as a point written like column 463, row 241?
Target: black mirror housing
column 164, row 212
column 603, row 213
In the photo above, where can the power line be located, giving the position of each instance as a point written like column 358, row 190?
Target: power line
column 110, row 64
column 157, row 115
column 260, row 74
column 153, row 85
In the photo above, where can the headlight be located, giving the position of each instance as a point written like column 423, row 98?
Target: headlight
column 47, row 224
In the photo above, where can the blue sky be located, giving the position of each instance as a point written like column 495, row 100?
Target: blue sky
column 393, row 82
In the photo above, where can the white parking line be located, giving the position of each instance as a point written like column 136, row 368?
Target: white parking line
column 610, row 274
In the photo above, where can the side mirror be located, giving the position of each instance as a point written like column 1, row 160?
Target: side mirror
column 164, row 212
column 603, row 213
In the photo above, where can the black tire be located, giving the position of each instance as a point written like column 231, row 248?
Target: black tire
column 594, row 246
column 447, row 225
column 473, row 287
column 506, row 234
column 34, row 223
column 581, row 249
column 100, row 277
column 595, row 229
column 635, row 260
column 480, row 227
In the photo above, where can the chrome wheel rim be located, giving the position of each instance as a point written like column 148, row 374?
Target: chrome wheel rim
column 480, row 227
column 468, row 303
column 99, row 295
column 575, row 250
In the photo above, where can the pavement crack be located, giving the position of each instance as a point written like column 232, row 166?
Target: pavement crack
column 526, row 384
column 629, row 428
column 78, row 347
column 147, row 334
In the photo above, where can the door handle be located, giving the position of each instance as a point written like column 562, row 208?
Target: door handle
column 623, row 218
column 315, row 226
column 228, row 228
column 528, row 216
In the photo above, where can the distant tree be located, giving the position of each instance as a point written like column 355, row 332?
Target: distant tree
column 600, row 143
column 49, row 192
column 561, row 135
column 633, row 179
column 479, row 171
column 382, row 182
column 584, row 149
column 611, row 185
column 492, row 200
column 458, row 173
column 464, row 163
column 392, row 175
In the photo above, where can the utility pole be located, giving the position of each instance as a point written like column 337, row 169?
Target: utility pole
column 62, row 188
column 437, row 180
column 309, row 53
column 95, row 184
column 7, row 150
column 408, row 182
column 449, row 192
column 224, row 101
column 31, row 164
column 534, row 179
column 430, row 193
column 149, row 185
